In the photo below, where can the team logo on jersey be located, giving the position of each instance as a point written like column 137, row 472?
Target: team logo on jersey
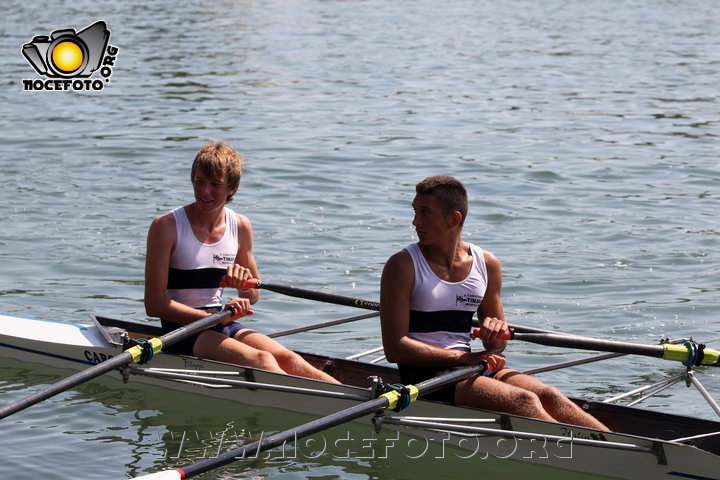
column 224, row 258
column 468, row 299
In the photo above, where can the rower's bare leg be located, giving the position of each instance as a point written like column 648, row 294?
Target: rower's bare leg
column 490, row 394
column 554, row 402
column 288, row 360
column 216, row 346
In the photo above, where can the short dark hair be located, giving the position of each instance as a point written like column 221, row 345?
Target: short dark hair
column 449, row 191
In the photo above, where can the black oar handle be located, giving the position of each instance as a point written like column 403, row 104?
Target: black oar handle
column 586, row 343
column 314, row 295
column 690, row 353
column 343, row 299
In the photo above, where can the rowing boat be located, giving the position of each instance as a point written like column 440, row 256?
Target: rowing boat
column 643, row 444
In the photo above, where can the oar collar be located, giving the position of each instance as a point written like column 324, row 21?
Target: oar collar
column 145, row 350
column 691, row 354
column 400, row 396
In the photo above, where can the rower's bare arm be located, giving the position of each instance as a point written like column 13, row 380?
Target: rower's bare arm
column 396, row 287
column 160, row 244
column 490, row 313
column 245, row 259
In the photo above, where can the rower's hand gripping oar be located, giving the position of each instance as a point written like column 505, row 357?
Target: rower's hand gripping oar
column 689, row 353
column 137, row 354
column 390, row 400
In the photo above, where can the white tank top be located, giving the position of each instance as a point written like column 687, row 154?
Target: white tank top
column 441, row 312
column 196, row 268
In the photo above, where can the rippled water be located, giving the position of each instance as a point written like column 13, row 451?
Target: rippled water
column 586, row 133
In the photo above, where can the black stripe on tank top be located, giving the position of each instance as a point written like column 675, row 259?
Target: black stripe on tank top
column 440, row 321
column 198, row 278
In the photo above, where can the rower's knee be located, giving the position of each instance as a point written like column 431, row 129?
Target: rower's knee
column 288, row 358
column 264, row 360
column 215, row 346
column 527, row 404
column 551, row 396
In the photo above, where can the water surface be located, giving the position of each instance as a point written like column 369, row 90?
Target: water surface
column 585, row 133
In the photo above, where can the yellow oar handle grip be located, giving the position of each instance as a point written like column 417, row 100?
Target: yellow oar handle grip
column 145, row 351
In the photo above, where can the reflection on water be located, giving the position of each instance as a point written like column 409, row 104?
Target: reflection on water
column 147, row 429
column 585, row 133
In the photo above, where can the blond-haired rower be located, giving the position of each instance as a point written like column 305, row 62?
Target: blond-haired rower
column 194, row 252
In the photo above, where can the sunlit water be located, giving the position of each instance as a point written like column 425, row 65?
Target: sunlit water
column 586, row 133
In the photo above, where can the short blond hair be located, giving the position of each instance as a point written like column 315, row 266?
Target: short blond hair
column 218, row 159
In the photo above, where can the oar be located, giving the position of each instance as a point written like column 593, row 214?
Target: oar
column 690, row 353
column 137, row 354
column 313, row 294
column 346, row 300
column 389, row 400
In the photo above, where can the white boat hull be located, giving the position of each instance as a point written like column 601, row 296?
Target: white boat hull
column 561, row 454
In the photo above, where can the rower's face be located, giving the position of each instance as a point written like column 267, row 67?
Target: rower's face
column 211, row 191
column 430, row 218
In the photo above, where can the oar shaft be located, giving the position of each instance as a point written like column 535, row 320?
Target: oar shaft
column 130, row 355
column 314, row 295
column 307, row 294
column 185, row 331
column 555, row 340
column 66, row 384
column 322, row 325
column 388, row 400
column 690, row 353
column 278, row 439
column 529, row 334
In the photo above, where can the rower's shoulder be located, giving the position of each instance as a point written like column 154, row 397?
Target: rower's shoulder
column 242, row 220
column 400, row 258
column 492, row 262
column 163, row 226
column 489, row 256
column 399, row 267
column 163, row 221
column 244, row 228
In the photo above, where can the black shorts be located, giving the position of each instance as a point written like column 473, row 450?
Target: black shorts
column 412, row 375
column 185, row 346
